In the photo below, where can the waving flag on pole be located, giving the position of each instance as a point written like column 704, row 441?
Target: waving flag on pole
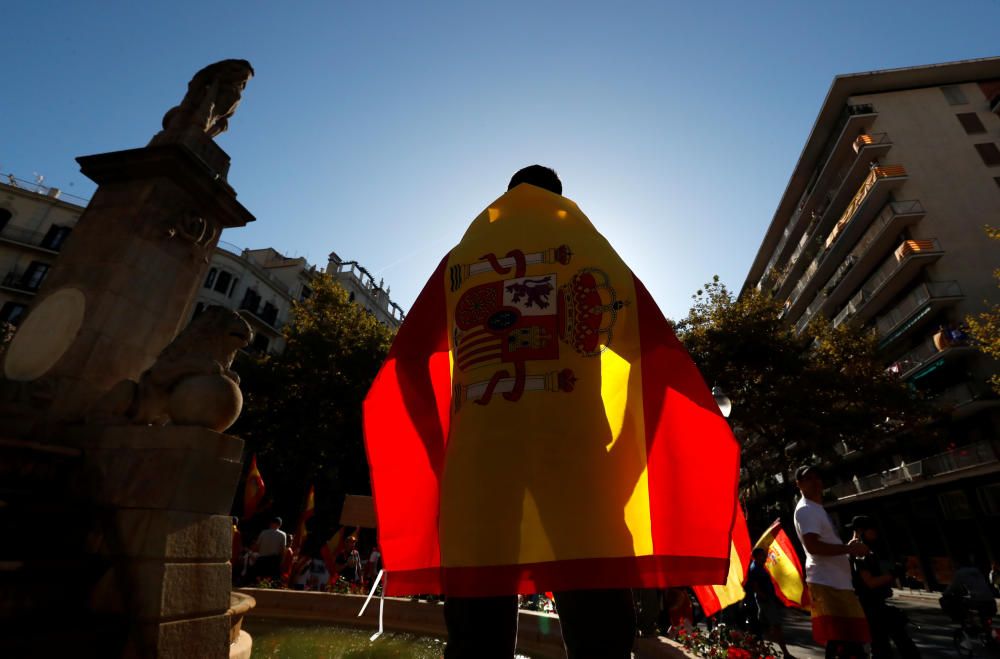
column 253, row 489
column 715, row 598
column 307, row 513
column 538, row 427
column 784, row 567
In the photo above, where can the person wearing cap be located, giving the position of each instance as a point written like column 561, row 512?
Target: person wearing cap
column 270, row 547
column 838, row 621
column 874, row 588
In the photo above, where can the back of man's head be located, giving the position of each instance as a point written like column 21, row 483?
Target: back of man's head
column 539, row 176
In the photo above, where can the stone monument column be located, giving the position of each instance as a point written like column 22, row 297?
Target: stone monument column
column 122, row 285
column 104, row 367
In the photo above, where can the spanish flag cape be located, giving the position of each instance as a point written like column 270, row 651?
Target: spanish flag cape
column 537, row 426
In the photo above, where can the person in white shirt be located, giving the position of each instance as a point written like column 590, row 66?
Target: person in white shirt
column 838, row 621
column 270, row 546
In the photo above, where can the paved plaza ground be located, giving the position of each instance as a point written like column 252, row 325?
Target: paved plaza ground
column 930, row 628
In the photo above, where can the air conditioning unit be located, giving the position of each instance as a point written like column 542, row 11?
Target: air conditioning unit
column 54, row 193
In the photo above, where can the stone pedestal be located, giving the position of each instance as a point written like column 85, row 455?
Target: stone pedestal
column 121, row 288
column 163, row 496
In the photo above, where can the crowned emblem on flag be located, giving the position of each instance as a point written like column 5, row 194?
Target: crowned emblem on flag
column 525, row 319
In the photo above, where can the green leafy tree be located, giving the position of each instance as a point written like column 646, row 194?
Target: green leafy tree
column 795, row 397
column 302, row 410
column 985, row 327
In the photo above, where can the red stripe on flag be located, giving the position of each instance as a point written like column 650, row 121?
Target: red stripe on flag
column 693, row 509
column 529, row 578
column 409, row 402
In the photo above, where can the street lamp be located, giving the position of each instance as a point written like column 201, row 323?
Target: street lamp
column 722, row 400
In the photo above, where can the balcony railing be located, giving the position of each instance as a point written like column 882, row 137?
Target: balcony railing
column 919, row 296
column 961, row 394
column 850, row 212
column 892, row 265
column 965, row 457
column 19, row 281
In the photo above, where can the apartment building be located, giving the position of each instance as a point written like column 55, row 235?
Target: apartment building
column 261, row 284
column 882, row 226
column 35, row 221
column 363, row 290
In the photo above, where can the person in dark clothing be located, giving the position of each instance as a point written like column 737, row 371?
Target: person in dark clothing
column 770, row 610
column 874, row 588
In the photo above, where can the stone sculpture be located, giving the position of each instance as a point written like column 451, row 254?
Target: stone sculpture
column 212, row 97
column 190, row 384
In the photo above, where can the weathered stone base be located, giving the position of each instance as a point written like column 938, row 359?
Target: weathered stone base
column 162, row 498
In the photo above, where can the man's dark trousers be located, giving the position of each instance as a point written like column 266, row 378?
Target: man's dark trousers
column 595, row 624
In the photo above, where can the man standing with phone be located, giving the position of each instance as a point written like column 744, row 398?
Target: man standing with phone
column 838, row 621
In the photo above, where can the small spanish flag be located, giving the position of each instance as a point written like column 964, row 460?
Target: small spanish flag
column 253, row 489
column 715, row 598
column 784, row 567
column 307, row 513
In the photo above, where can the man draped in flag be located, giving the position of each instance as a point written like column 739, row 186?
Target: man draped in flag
column 537, row 427
column 838, row 621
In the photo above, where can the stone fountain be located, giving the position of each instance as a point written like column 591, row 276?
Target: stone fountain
column 113, row 412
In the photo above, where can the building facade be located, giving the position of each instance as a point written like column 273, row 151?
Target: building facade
column 363, row 290
column 34, row 223
column 882, row 226
column 261, row 284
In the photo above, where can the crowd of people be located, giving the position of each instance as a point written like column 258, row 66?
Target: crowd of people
column 275, row 559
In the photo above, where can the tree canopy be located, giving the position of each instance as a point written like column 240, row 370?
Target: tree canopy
column 985, row 327
column 302, row 408
column 796, row 397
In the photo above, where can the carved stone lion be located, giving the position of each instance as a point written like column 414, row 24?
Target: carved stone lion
column 191, row 382
column 211, row 99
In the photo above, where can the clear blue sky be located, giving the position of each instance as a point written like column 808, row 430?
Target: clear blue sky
column 380, row 129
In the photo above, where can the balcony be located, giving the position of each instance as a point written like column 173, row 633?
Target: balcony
column 966, row 399
column 915, row 309
column 895, row 273
column 931, row 354
column 870, row 197
column 980, row 456
column 21, row 282
column 869, row 251
column 831, row 173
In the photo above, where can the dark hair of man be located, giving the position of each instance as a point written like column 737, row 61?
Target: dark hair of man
column 539, row 176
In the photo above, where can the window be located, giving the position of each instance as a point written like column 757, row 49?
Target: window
column 953, row 94
column 198, row 308
column 350, row 298
column 12, row 312
column 34, row 275
column 989, row 499
column 971, row 123
column 222, row 282
column 260, row 343
column 251, row 300
column 232, row 287
column 955, row 505
column 989, row 152
column 210, row 279
column 5, row 216
column 269, row 314
column 55, row 237
column 306, row 293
